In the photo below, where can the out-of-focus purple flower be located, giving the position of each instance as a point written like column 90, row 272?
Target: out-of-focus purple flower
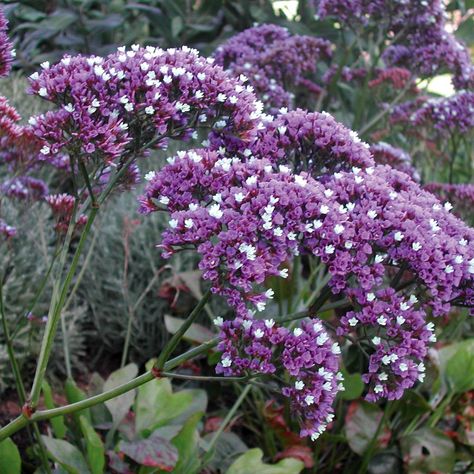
column 305, row 358
column 62, row 206
column 7, row 53
column 7, row 231
column 24, row 188
column 460, row 195
column 447, row 115
column 274, row 62
column 385, row 154
column 420, row 41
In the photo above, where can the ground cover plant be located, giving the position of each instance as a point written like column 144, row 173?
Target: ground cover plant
column 253, row 257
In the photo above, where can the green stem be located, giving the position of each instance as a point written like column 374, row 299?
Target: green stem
column 43, row 415
column 55, row 314
column 385, row 111
column 225, row 422
column 18, row 380
column 11, row 351
column 174, row 341
column 373, row 442
column 203, row 378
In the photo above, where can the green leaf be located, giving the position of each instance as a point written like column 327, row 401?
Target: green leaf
column 187, row 444
column 195, row 333
column 353, row 384
column 94, row 447
column 59, row 428
column 67, row 455
column 120, row 406
column 362, row 420
column 154, row 451
column 428, row 450
column 157, row 405
column 460, row 371
column 177, row 26
column 251, row 462
column 74, row 394
column 228, row 447
column 10, row 460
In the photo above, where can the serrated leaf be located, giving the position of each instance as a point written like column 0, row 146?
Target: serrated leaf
column 67, row 455
column 120, row 406
column 94, row 447
column 10, row 460
column 251, row 462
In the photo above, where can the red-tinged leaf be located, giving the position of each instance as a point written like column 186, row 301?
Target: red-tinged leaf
column 273, row 414
column 154, row 451
column 117, row 463
column 303, row 453
column 362, row 421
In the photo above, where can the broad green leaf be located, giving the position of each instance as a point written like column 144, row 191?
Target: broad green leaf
column 428, row 450
column 120, row 406
column 59, row 428
column 10, row 460
column 460, row 371
column 251, row 462
column 195, row 333
column 157, row 405
column 353, row 384
column 67, row 455
column 155, row 451
column 362, row 421
column 94, row 447
column 187, row 444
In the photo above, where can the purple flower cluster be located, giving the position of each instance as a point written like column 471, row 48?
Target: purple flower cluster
column 24, row 188
column 6, row 231
column 422, row 43
column 315, row 142
column 385, row 154
column 460, row 195
column 375, row 229
column 62, row 206
column 274, row 62
column 305, row 358
column 108, row 108
column 399, row 337
column 6, row 52
column 446, row 115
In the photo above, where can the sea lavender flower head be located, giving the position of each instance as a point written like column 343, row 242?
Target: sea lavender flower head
column 110, row 108
column 306, row 358
column 374, row 228
column 274, row 62
column 7, row 53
